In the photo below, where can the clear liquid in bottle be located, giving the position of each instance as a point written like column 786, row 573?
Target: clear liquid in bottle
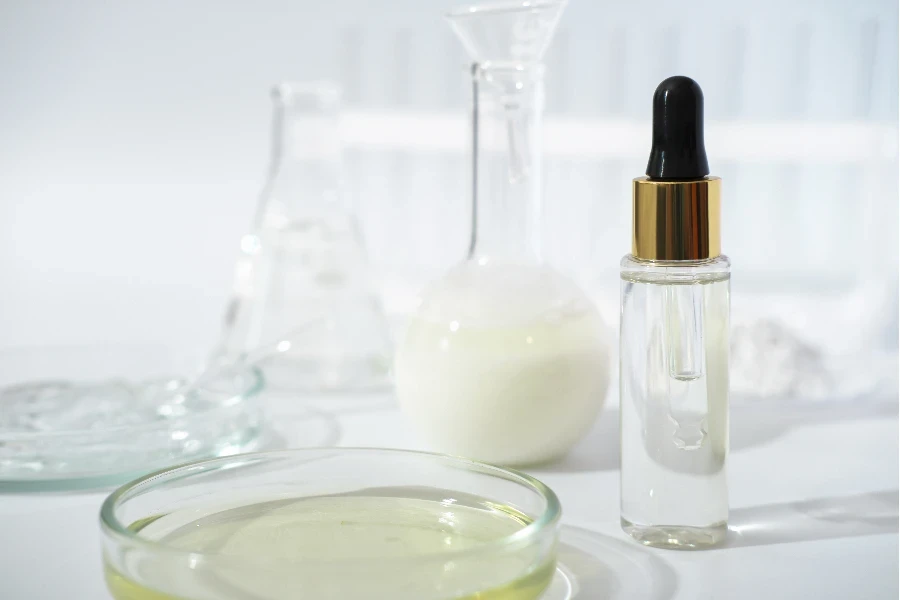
column 674, row 402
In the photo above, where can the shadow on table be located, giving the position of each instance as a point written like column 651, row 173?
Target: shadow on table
column 751, row 425
column 754, row 424
column 300, row 428
column 820, row 519
column 333, row 403
column 598, row 451
column 593, row 566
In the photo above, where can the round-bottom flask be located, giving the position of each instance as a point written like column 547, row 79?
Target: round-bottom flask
column 505, row 360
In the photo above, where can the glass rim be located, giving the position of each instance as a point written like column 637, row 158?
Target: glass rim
column 534, row 69
column 547, row 520
column 323, row 90
column 489, row 8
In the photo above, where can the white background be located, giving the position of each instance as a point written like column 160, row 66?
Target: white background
column 134, row 142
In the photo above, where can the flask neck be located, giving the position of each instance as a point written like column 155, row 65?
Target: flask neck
column 508, row 102
column 304, row 179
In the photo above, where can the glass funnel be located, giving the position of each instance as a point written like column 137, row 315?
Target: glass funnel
column 505, row 360
column 512, row 32
column 304, row 306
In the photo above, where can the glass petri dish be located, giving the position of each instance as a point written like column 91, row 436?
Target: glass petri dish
column 336, row 523
column 88, row 416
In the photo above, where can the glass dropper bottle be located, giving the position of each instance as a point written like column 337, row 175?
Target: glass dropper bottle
column 674, row 338
column 505, row 360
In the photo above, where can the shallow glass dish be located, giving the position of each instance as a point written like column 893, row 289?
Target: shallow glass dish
column 338, row 523
column 82, row 416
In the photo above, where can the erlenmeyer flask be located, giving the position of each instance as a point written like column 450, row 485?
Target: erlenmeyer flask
column 506, row 360
column 304, row 308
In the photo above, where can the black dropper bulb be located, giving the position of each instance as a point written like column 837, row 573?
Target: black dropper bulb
column 678, row 151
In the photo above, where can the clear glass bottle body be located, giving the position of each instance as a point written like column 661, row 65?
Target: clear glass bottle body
column 674, row 336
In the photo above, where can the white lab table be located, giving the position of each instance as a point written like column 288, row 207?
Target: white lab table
column 813, row 493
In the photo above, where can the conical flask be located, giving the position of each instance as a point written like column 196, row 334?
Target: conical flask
column 304, row 306
column 505, row 359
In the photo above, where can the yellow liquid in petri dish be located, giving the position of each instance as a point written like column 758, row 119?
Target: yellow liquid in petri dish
column 378, row 533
